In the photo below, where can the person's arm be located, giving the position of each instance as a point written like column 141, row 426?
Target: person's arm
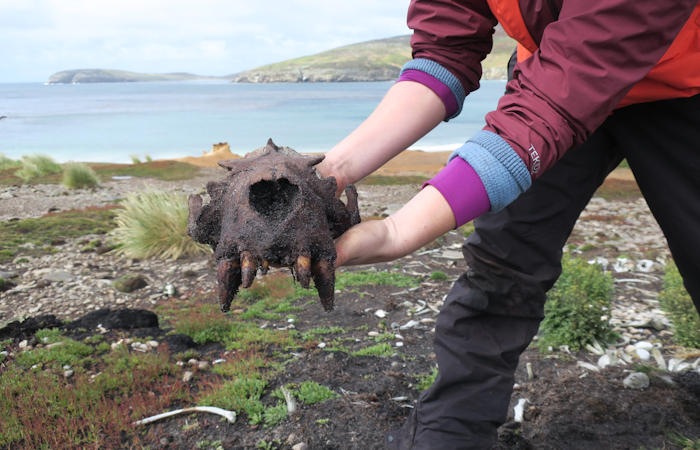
column 424, row 218
column 408, row 111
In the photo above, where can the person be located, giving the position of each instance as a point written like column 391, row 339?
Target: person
column 595, row 82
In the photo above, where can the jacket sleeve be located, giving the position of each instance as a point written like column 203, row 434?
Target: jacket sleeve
column 587, row 61
column 450, row 39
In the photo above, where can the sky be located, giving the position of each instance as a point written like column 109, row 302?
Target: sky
column 206, row 37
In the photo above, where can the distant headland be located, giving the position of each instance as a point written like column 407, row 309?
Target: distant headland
column 376, row 60
column 121, row 76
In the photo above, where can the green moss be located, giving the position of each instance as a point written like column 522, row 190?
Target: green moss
column 311, row 393
column 240, row 394
column 381, row 349
column 438, row 276
column 426, row 380
column 69, row 352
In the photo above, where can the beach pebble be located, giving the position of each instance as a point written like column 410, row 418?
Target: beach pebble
column 636, row 380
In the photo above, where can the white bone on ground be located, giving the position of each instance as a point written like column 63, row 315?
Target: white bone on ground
column 519, row 410
column 228, row 415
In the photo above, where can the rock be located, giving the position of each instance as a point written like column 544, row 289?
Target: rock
column 187, row 376
column 152, row 344
column 29, row 326
column 68, row 373
column 192, row 362
column 202, row 365
column 644, row 355
column 139, row 347
column 380, row 313
column 636, row 380
column 119, row 319
column 7, row 275
column 178, row 342
column 218, row 361
column 130, row 283
column 300, row 446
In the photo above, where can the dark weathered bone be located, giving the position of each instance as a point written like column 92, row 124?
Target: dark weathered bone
column 273, row 209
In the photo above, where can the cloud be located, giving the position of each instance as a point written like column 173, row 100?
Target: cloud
column 209, row 36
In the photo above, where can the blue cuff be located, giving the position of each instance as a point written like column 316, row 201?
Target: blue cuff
column 504, row 174
column 442, row 74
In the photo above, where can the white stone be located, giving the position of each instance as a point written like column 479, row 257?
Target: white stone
column 380, row 313
column 644, row 345
column 321, row 345
column 218, row 361
column 636, row 380
column 519, row 410
column 187, row 376
column 68, row 373
column 300, row 446
column 644, row 355
column 203, row 365
column 399, row 344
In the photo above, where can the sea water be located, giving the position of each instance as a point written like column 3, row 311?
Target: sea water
column 110, row 122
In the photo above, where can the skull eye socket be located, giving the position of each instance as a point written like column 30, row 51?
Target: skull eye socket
column 273, row 199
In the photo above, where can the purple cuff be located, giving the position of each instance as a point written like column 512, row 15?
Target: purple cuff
column 463, row 190
column 437, row 86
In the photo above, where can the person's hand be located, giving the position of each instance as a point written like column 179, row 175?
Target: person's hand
column 424, row 218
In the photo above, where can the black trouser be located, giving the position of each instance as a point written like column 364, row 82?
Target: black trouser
column 514, row 257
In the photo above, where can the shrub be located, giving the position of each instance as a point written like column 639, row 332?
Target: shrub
column 576, row 308
column 7, row 163
column 79, row 176
column 36, row 166
column 154, row 224
column 135, row 159
column 676, row 302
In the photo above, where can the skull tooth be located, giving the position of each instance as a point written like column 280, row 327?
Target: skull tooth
column 302, row 271
column 229, row 277
column 248, row 269
column 324, row 278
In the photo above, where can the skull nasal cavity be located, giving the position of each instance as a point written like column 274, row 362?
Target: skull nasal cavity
column 273, row 199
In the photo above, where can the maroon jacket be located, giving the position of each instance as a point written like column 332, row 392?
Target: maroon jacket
column 590, row 55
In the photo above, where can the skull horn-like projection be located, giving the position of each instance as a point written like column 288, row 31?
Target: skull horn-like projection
column 273, row 209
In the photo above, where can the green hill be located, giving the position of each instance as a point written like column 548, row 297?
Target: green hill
column 377, row 60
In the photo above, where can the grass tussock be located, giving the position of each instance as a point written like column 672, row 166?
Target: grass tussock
column 35, row 166
column 153, row 225
column 676, row 302
column 8, row 163
column 79, row 176
column 576, row 312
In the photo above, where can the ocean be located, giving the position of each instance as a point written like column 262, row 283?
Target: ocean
column 110, row 122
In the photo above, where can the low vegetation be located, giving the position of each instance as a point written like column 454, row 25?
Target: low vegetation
column 576, row 312
column 34, row 166
column 8, row 163
column 154, row 224
column 11, row 172
column 38, row 236
column 79, row 176
column 676, row 302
